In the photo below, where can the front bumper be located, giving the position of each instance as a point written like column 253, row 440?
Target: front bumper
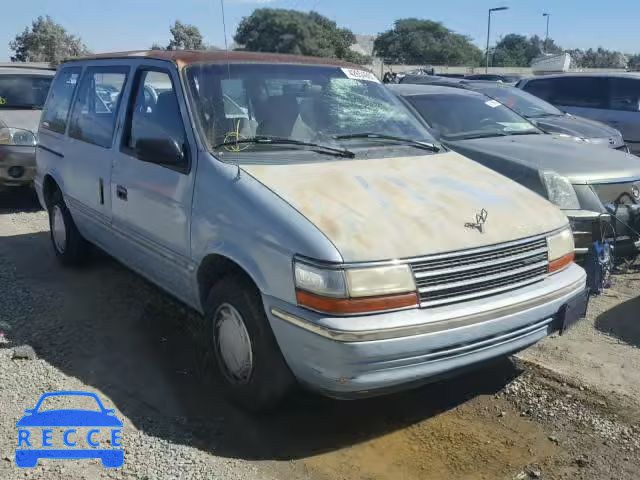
column 370, row 355
column 17, row 165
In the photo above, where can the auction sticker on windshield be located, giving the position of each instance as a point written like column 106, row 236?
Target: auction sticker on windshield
column 492, row 103
column 82, row 428
column 355, row 74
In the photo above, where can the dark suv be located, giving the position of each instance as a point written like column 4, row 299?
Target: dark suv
column 612, row 98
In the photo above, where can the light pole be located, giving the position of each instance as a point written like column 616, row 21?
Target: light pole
column 546, row 38
column 491, row 10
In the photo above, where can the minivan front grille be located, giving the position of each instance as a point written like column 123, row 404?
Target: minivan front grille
column 459, row 276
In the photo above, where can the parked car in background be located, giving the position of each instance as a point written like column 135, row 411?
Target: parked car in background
column 543, row 115
column 420, row 79
column 611, row 98
column 323, row 233
column 588, row 184
column 23, row 90
column 510, row 79
column 451, row 75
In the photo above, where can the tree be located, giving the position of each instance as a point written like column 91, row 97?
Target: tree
column 185, row 37
column 156, row 46
column 634, row 62
column 598, row 58
column 300, row 33
column 415, row 41
column 515, row 50
column 46, row 41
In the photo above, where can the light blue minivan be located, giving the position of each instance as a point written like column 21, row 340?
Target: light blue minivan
column 325, row 236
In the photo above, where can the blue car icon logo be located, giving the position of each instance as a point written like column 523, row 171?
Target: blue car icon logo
column 32, row 447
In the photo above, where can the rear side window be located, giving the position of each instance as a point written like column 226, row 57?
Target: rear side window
column 96, row 107
column 583, row 92
column 56, row 110
column 624, row 94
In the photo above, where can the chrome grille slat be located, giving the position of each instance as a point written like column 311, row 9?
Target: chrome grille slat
column 479, row 294
column 473, row 259
column 459, row 276
column 611, row 192
column 472, row 269
column 484, row 278
column 489, row 284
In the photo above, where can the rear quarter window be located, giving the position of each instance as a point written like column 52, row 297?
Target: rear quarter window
column 56, row 110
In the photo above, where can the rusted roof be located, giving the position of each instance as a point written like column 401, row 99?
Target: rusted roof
column 185, row 57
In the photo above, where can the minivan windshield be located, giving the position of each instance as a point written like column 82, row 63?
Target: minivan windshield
column 460, row 117
column 324, row 105
column 24, row 91
column 524, row 103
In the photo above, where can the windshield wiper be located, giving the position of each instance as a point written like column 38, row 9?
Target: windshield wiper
column 544, row 115
column 263, row 140
column 472, row 136
column 378, row 136
column 523, row 132
column 21, row 107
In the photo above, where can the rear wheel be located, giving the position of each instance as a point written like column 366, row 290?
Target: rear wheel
column 69, row 245
column 248, row 363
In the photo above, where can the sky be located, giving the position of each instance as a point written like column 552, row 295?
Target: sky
column 135, row 24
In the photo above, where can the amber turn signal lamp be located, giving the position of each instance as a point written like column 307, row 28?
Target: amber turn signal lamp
column 347, row 306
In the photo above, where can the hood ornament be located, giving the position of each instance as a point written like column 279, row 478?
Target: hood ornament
column 481, row 219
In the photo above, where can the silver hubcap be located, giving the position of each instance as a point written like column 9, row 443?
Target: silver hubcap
column 59, row 231
column 232, row 344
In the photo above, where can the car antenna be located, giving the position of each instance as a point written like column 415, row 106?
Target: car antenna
column 226, row 45
column 226, row 49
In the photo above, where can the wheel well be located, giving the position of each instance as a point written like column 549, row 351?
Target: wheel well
column 49, row 187
column 213, row 268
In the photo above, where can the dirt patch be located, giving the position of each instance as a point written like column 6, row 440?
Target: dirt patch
column 484, row 439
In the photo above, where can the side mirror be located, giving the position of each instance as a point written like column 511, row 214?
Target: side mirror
column 164, row 151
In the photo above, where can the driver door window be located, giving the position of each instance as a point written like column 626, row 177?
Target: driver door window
column 154, row 114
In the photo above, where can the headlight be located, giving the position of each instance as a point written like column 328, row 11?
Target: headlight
column 328, row 283
column 344, row 291
column 17, row 136
column 561, row 250
column 560, row 191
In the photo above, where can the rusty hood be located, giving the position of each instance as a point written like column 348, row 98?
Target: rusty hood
column 393, row 208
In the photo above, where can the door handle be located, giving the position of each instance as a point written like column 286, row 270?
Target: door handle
column 121, row 192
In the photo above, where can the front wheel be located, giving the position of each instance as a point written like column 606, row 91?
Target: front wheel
column 248, row 362
column 69, row 245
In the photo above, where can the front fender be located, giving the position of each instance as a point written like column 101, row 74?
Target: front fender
column 237, row 217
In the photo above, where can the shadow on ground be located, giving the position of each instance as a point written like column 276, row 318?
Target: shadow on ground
column 15, row 200
column 622, row 322
column 114, row 331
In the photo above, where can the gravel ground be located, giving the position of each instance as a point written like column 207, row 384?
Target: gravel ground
column 604, row 350
column 106, row 330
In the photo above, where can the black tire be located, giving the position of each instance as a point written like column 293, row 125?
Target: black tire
column 76, row 248
column 270, row 379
